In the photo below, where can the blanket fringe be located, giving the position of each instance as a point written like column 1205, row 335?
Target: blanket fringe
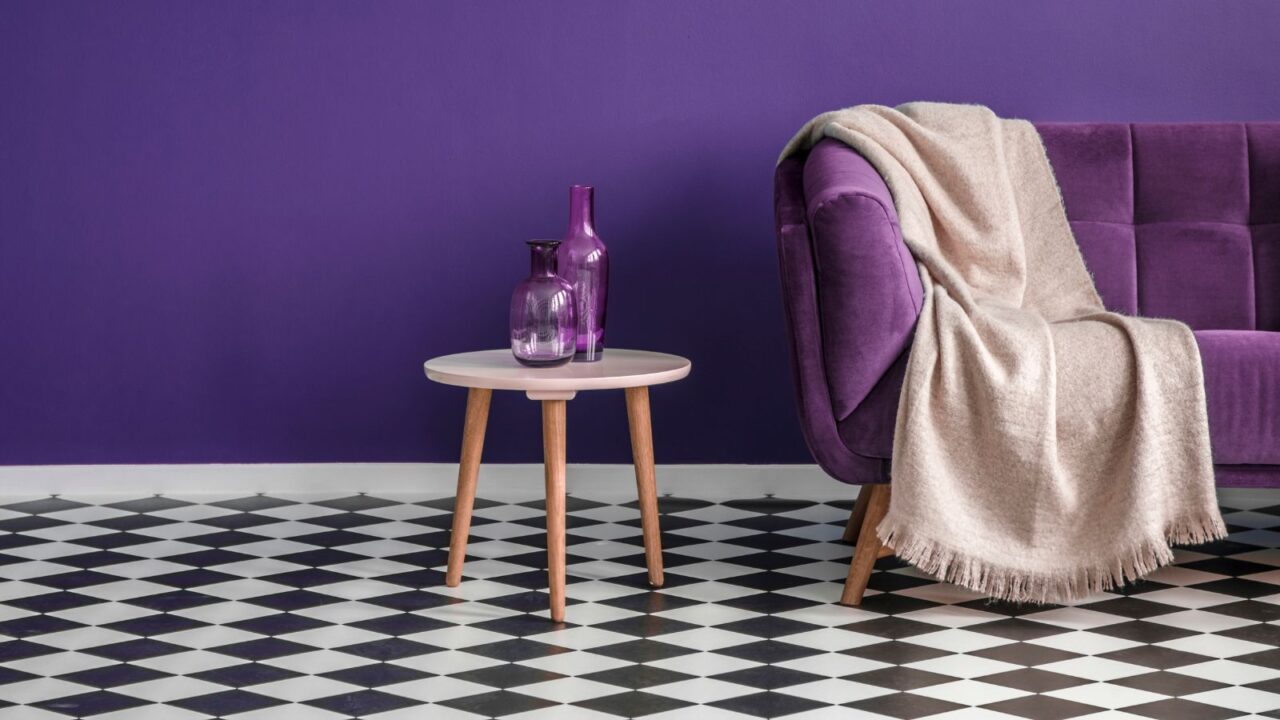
column 1020, row 586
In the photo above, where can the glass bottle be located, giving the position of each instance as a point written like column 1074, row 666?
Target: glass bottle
column 584, row 263
column 543, row 323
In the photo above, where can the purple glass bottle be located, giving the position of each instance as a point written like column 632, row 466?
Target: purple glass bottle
column 584, row 262
column 543, row 323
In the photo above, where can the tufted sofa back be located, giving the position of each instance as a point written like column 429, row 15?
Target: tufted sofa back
column 1176, row 220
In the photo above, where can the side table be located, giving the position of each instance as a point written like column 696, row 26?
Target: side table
column 488, row 370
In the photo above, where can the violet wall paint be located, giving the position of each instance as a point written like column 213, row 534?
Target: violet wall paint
column 232, row 232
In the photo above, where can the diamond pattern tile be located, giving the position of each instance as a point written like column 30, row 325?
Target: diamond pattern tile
column 334, row 606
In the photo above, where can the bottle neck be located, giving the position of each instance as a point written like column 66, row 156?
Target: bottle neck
column 582, row 209
column 542, row 260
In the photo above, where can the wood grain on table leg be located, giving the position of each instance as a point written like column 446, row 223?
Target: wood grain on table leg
column 468, row 469
column 869, row 545
column 646, row 483
column 553, row 456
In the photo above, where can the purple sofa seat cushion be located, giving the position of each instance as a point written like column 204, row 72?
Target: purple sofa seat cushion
column 1242, row 389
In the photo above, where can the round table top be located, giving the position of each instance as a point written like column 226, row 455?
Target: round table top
column 498, row 370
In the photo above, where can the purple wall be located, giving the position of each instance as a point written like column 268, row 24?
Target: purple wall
column 233, row 231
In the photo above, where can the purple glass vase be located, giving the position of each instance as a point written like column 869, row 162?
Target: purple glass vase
column 543, row 323
column 584, row 262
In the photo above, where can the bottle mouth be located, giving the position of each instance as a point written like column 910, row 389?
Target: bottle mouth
column 543, row 243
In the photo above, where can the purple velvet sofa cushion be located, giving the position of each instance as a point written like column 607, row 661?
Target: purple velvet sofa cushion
column 1242, row 390
column 1176, row 220
column 1179, row 221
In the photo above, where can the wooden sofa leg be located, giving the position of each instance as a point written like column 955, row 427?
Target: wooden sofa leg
column 854, row 525
column 869, row 546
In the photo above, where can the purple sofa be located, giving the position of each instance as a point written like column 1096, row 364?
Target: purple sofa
column 1174, row 220
column 1177, row 221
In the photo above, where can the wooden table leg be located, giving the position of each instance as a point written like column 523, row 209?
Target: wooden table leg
column 646, row 484
column 553, row 455
column 468, row 469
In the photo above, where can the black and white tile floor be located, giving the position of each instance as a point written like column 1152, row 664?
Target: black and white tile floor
column 292, row 608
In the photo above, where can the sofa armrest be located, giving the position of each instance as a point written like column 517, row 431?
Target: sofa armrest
column 869, row 292
column 800, row 302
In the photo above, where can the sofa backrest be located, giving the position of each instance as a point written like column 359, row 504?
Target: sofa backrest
column 1176, row 220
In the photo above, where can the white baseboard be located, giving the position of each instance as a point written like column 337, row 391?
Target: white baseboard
column 496, row 480
column 514, row 482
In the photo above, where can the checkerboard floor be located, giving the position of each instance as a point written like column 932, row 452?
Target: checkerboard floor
column 331, row 607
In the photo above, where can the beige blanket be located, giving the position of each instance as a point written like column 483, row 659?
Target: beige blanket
column 1046, row 449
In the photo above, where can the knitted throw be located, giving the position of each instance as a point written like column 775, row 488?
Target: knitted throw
column 1045, row 448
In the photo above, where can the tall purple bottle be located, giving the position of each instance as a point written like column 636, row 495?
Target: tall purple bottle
column 584, row 262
